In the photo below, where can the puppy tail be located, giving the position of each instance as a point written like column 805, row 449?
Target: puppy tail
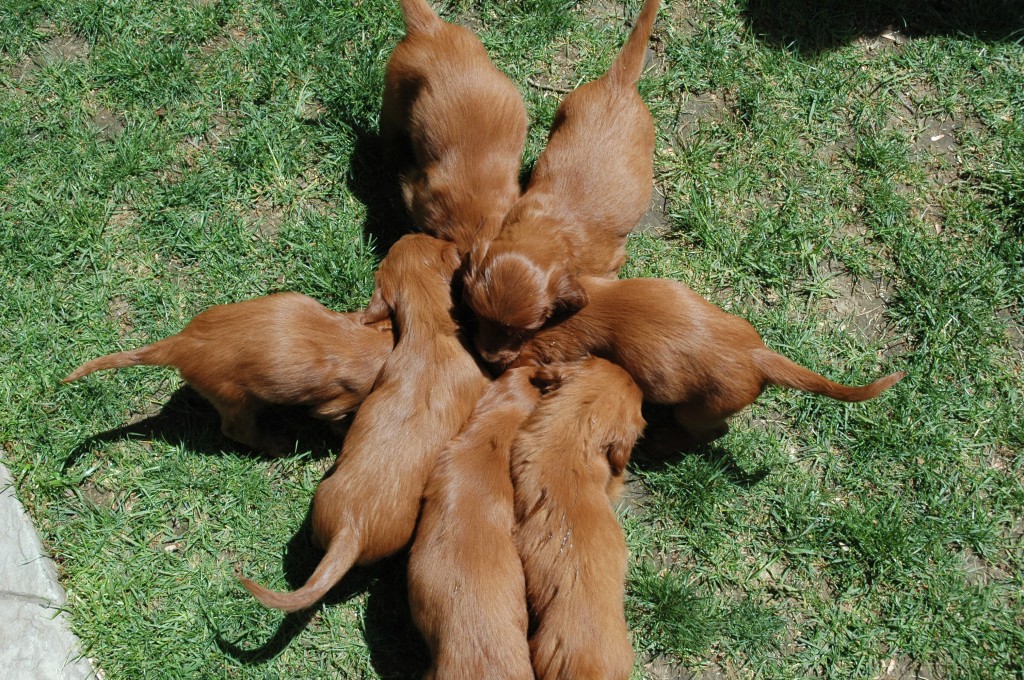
column 340, row 557
column 778, row 370
column 159, row 353
column 629, row 64
column 419, row 17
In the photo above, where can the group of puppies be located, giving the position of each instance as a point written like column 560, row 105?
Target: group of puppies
column 496, row 458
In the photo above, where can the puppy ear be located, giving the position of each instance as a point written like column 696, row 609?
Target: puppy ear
column 618, row 455
column 548, row 377
column 569, row 296
column 379, row 308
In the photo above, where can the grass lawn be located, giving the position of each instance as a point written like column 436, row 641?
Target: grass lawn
column 847, row 175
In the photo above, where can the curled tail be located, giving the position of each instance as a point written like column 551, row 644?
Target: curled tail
column 340, row 557
column 629, row 64
column 419, row 18
column 159, row 353
column 778, row 370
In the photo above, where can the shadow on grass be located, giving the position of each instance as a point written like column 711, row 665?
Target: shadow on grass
column 375, row 184
column 813, row 26
column 664, row 443
column 190, row 421
column 396, row 648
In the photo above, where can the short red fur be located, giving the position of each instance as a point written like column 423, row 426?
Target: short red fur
column 590, row 187
column 366, row 508
column 454, row 126
column 283, row 349
column 681, row 350
column 568, row 463
column 466, row 587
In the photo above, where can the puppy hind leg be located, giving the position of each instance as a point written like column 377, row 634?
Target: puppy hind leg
column 335, row 412
column 702, row 425
column 337, row 408
column 238, row 423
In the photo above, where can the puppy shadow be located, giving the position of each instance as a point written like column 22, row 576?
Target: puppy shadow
column 665, row 442
column 189, row 421
column 814, row 26
column 395, row 646
column 371, row 179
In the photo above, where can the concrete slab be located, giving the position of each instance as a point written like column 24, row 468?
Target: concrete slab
column 36, row 644
column 35, row 640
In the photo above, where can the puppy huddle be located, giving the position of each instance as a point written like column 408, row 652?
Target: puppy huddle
column 500, row 473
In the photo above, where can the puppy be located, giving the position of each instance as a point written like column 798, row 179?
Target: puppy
column 681, row 350
column 568, row 462
column 366, row 508
column 455, row 126
column 589, row 188
column 284, row 349
column 466, row 586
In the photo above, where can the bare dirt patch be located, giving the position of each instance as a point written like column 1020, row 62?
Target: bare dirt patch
column 560, row 75
column 231, row 37
column 606, row 13
column 697, row 111
column 1014, row 330
column 682, row 18
column 120, row 310
column 222, row 128
column 981, row 572
column 905, row 668
column 634, row 494
column 107, row 125
column 655, row 221
column 96, row 495
column 59, row 48
column 265, row 218
column 889, row 39
column 858, row 304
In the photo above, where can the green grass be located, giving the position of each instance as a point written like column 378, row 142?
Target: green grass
column 848, row 176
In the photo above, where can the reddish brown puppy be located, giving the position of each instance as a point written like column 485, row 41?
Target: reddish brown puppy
column 366, row 508
column 589, row 188
column 455, row 127
column 681, row 350
column 567, row 462
column 466, row 587
column 284, row 349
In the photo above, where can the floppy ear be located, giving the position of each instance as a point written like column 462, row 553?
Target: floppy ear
column 377, row 310
column 618, row 455
column 569, row 296
column 381, row 304
column 548, row 377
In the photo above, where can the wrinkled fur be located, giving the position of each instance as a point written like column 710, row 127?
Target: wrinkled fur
column 590, row 187
column 568, row 463
column 454, row 126
column 681, row 350
column 284, row 349
column 366, row 508
column 466, row 587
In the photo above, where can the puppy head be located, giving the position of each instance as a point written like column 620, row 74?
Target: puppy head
column 513, row 294
column 415, row 261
